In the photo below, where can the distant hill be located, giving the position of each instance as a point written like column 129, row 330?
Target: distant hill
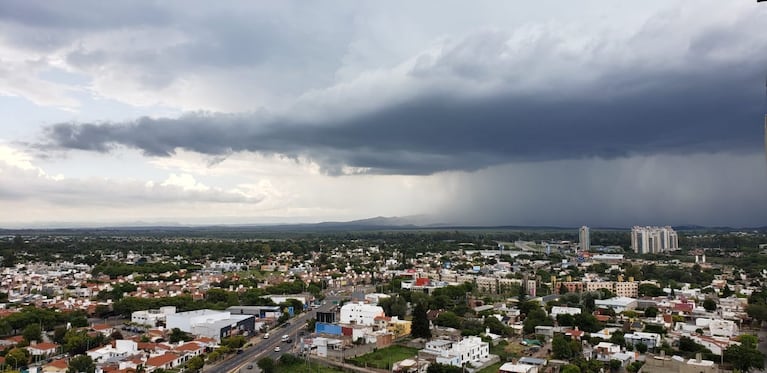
column 382, row 223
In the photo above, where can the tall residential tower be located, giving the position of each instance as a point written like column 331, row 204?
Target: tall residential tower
column 653, row 240
column 584, row 238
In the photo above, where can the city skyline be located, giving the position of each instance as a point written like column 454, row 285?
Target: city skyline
column 490, row 114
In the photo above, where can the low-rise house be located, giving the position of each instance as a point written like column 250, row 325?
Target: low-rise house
column 618, row 304
column 651, row 340
column 56, row 366
column 468, row 350
column 604, row 351
column 165, row 361
column 517, row 368
column 43, row 349
column 559, row 310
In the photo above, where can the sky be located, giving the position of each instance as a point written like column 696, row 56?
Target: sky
column 475, row 113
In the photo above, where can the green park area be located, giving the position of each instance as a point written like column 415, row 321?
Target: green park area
column 385, row 357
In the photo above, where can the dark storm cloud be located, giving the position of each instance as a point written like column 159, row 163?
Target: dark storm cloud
column 703, row 110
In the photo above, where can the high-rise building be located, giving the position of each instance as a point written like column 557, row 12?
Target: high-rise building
column 584, row 238
column 653, row 240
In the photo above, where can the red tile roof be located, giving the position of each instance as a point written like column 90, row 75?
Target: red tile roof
column 191, row 346
column 45, row 346
column 60, row 363
column 161, row 360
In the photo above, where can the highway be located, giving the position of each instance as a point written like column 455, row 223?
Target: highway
column 265, row 347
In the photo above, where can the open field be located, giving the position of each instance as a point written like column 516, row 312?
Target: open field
column 384, row 358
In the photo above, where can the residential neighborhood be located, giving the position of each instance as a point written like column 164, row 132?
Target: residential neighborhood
column 507, row 306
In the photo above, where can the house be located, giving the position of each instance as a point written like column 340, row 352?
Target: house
column 618, row 304
column 56, row 366
column 718, row 327
column 104, row 329
column 211, row 323
column 166, row 361
column 559, row 310
column 191, row 349
column 468, row 350
column 42, row 349
column 517, row 368
column 651, row 340
column 545, row 330
column 360, row 313
column 604, row 351
column 574, row 334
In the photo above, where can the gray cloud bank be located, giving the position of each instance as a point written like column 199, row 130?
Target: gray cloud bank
column 717, row 109
column 676, row 85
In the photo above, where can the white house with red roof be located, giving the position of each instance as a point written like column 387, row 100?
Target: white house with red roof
column 43, row 348
column 166, row 361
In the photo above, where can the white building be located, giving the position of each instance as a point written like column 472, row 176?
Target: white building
column 211, row 323
column 517, row 368
column 152, row 317
column 718, row 327
column 604, row 351
column 618, row 304
column 122, row 347
column 653, row 240
column 469, row 350
column 360, row 313
column 558, row 310
column 651, row 340
column 278, row 299
column 374, row 298
column 584, row 238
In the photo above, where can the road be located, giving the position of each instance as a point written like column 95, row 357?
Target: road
column 265, row 347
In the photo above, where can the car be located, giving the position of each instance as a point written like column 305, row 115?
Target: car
column 289, row 341
column 250, row 366
column 276, row 348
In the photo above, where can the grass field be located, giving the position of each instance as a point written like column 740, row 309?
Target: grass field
column 307, row 368
column 384, row 358
column 492, row 369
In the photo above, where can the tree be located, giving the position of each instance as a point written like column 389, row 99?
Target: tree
column 234, row 342
column 687, row 344
column 650, row 290
column 17, row 357
column 177, row 335
column 448, row 319
column 726, row 292
column 534, row 318
column 641, row 347
column 709, row 304
column 32, row 332
column 495, row 326
column 420, row 325
column 615, row 364
column 267, row 365
column 617, row 338
column 195, row 364
column 562, row 289
column 81, row 363
column 102, row 311
column 443, row 368
column 744, row 357
column 570, row 368
column 561, row 348
column 651, row 312
column 757, row 311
